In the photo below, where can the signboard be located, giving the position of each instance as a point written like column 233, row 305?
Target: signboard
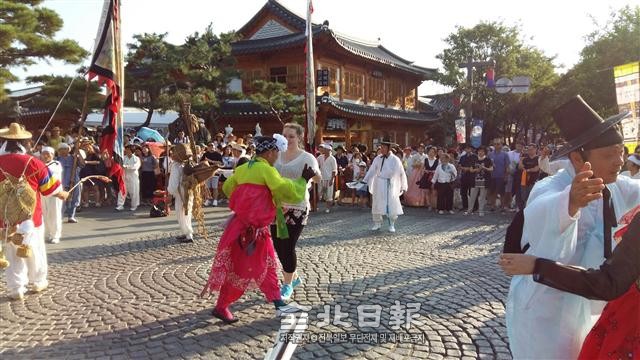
column 461, row 131
column 476, row 132
column 627, row 80
column 334, row 124
column 323, row 77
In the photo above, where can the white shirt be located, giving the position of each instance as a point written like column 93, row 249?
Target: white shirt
column 131, row 165
column 328, row 166
column 293, row 170
column 445, row 176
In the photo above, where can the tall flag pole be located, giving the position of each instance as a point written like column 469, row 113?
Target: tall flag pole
column 311, row 81
column 107, row 65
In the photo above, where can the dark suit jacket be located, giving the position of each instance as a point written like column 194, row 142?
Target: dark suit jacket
column 613, row 278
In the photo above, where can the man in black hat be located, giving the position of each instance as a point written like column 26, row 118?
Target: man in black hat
column 387, row 181
column 569, row 218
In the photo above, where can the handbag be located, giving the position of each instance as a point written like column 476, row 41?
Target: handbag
column 425, row 180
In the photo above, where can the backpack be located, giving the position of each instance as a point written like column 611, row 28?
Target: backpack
column 17, row 199
column 513, row 236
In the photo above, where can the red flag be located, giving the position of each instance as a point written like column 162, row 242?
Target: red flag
column 107, row 65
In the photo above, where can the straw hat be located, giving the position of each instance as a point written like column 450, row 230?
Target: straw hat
column 182, row 151
column 15, row 131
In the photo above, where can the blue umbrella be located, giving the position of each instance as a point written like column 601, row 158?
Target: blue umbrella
column 146, row 133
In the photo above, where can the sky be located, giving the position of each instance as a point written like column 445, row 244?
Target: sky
column 413, row 29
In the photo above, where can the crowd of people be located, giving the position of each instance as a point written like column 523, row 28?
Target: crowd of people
column 571, row 199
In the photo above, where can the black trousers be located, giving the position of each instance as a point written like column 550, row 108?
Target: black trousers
column 445, row 196
column 286, row 248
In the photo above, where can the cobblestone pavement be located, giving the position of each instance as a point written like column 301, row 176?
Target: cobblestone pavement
column 134, row 294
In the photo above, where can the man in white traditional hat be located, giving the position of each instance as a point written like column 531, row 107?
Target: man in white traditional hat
column 15, row 162
column 52, row 206
column 328, row 170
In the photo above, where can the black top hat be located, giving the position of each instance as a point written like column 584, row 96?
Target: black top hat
column 583, row 128
column 387, row 141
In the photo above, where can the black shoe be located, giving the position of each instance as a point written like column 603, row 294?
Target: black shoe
column 185, row 240
column 181, row 237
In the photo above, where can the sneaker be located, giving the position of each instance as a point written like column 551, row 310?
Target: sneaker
column 392, row 229
column 451, row 212
column 327, row 211
column 466, row 213
column 98, row 205
column 72, row 221
column 441, row 212
column 296, row 282
column 214, row 203
column 286, row 291
column 207, row 203
column 85, row 205
column 225, row 315
column 376, row 227
column 120, row 208
column 55, row 241
column 481, row 214
column 133, row 209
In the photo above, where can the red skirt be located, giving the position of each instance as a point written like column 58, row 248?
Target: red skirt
column 234, row 265
column 616, row 335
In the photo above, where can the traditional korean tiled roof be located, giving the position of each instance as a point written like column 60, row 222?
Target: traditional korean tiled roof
column 242, row 108
column 368, row 50
column 442, row 102
column 289, row 17
column 248, row 108
column 381, row 112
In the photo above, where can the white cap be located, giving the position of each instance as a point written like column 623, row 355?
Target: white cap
column 64, row 146
column 281, row 142
column 634, row 159
column 326, row 146
column 47, row 149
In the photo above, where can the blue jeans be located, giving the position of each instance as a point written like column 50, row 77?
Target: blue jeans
column 69, row 206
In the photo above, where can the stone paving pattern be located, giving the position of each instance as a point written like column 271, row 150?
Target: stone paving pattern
column 121, row 287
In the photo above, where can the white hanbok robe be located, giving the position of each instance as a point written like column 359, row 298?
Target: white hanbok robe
column 174, row 187
column 52, row 207
column 386, row 183
column 542, row 322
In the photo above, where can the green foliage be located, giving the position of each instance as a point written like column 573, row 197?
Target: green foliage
column 203, row 69
column 27, row 35
column 53, row 89
column 273, row 97
column 504, row 44
column 150, row 69
column 617, row 42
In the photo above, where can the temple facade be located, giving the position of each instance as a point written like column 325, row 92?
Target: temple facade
column 372, row 93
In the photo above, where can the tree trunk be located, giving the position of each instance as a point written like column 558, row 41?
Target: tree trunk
column 148, row 120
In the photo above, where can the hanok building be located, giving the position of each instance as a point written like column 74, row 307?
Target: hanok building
column 372, row 92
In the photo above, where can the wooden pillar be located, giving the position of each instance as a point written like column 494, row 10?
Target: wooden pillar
column 347, row 134
column 321, row 120
column 342, row 82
